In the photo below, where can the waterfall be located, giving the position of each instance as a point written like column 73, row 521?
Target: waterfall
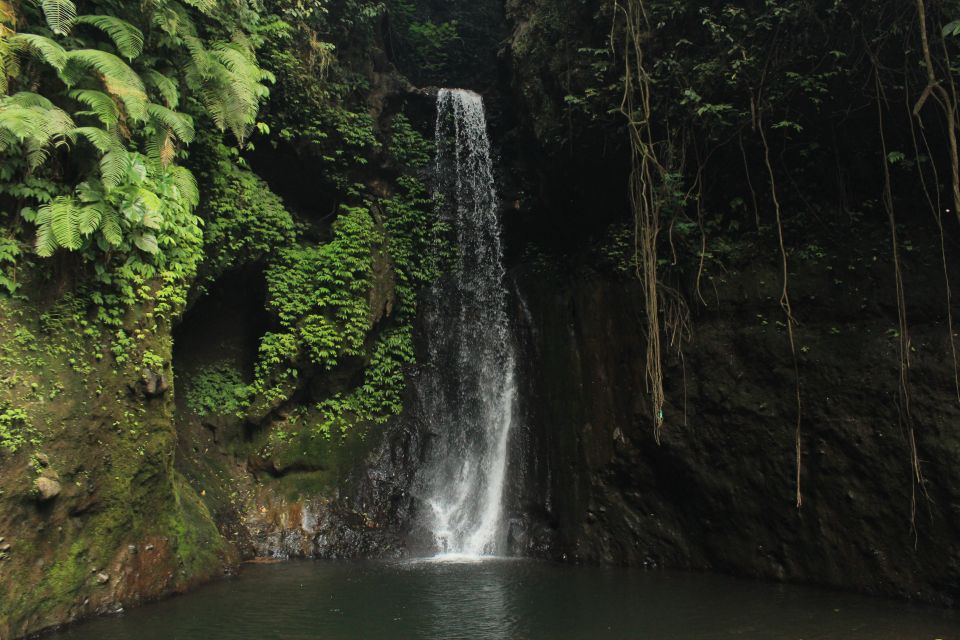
column 468, row 392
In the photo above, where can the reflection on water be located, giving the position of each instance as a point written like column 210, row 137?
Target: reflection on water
column 512, row 599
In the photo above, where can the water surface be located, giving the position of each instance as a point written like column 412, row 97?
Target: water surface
column 509, row 599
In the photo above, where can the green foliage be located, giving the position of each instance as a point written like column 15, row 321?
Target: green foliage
column 417, row 240
column 380, row 397
column 15, row 429
column 406, row 145
column 9, row 253
column 244, row 220
column 452, row 43
column 130, row 211
column 127, row 38
column 427, row 45
column 324, row 112
column 216, row 390
column 319, row 293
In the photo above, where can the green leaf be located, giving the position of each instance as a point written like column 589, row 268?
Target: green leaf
column 101, row 105
column 60, row 15
column 166, row 87
column 41, row 46
column 127, row 38
column 146, row 242
column 118, row 79
column 180, row 123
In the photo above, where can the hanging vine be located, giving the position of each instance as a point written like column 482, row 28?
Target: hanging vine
column 947, row 100
column 903, row 333
column 787, row 307
column 649, row 180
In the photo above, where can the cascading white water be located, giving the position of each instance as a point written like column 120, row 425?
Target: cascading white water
column 468, row 392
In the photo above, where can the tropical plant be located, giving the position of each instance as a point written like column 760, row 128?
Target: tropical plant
column 93, row 103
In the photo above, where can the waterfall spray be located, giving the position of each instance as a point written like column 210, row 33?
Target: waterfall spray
column 468, row 393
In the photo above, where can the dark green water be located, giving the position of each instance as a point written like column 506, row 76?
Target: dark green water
column 509, row 599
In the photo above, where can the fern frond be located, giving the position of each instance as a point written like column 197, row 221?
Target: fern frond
column 8, row 15
column 31, row 120
column 229, row 82
column 44, row 244
column 91, row 217
column 159, row 148
column 29, row 99
column 8, row 60
column 118, row 78
column 42, row 47
column 113, row 167
column 5, row 54
column 101, row 105
column 186, row 184
column 110, row 227
column 127, row 38
column 173, row 19
column 166, row 87
column 60, row 15
column 103, row 140
column 180, row 123
column 65, row 219
column 58, row 226
column 205, row 7
column 115, row 160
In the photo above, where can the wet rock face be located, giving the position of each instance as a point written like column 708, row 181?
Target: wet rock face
column 718, row 492
column 370, row 514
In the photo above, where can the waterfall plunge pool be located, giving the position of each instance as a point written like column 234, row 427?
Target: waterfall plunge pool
column 509, row 599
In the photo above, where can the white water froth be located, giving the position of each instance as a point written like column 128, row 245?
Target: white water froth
column 468, row 393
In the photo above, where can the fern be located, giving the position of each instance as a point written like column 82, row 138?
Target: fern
column 205, row 7
column 127, row 38
column 41, row 46
column 113, row 167
column 101, row 105
column 91, row 217
column 118, row 78
column 229, row 82
column 160, row 147
column 60, row 15
column 110, row 227
column 66, row 221
column 45, row 244
column 8, row 17
column 114, row 161
column 181, row 124
column 186, row 184
column 103, row 140
column 28, row 99
column 58, row 226
column 166, row 87
column 31, row 120
column 9, row 64
column 173, row 19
